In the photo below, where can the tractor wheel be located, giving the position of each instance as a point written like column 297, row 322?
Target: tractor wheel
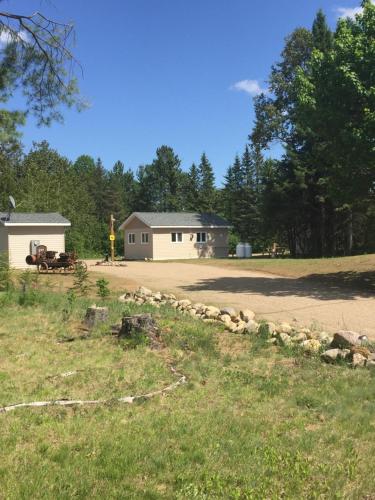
column 69, row 269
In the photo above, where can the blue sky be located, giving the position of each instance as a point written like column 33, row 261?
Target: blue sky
column 168, row 71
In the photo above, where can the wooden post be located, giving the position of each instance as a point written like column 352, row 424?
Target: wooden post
column 112, row 237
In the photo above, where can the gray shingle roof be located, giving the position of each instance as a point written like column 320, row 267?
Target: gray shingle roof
column 181, row 219
column 33, row 218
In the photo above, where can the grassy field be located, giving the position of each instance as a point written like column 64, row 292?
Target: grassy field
column 253, row 421
column 357, row 271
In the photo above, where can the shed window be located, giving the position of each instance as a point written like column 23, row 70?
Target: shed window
column 131, row 239
column 144, row 238
column 201, row 237
column 176, row 237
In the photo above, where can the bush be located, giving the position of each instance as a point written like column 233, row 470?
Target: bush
column 102, row 288
column 81, row 283
column 71, row 298
column 233, row 241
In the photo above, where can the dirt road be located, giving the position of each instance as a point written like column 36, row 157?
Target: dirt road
column 269, row 296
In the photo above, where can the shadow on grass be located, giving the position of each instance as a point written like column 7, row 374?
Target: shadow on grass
column 333, row 286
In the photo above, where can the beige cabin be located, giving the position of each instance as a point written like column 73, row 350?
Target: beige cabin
column 20, row 233
column 174, row 235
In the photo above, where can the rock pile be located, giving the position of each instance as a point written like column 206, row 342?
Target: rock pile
column 343, row 345
column 351, row 347
column 242, row 322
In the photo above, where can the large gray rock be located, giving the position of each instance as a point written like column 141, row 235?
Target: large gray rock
column 247, row 315
column 212, row 312
column 252, row 327
column 199, row 307
column 332, row 355
column 230, row 311
column 232, row 327
column 184, row 303
column 225, row 318
column 345, row 339
column 143, row 291
column 240, row 327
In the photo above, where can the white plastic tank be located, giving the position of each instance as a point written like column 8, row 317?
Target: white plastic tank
column 240, row 251
column 248, row 250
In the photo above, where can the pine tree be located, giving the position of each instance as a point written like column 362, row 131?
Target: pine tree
column 322, row 35
column 207, row 191
column 166, row 174
column 190, row 190
column 232, row 190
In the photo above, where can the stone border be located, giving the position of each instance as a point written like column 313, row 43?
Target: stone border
column 343, row 345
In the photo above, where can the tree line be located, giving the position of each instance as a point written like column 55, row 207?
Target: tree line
column 318, row 199
column 320, row 196
column 87, row 193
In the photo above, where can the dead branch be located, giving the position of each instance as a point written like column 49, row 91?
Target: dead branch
column 79, row 402
column 50, row 39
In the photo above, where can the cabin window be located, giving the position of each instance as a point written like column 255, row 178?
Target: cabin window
column 176, row 237
column 201, row 237
column 131, row 238
column 144, row 238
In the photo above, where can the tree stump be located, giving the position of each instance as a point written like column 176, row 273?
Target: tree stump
column 140, row 324
column 95, row 315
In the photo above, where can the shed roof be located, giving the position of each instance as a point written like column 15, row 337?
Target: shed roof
column 178, row 219
column 33, row 219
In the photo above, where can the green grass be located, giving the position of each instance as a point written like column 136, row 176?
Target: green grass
column 356, row 272
column 295, row 268
column 253, row 421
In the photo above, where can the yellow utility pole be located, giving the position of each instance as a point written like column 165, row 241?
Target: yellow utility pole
column 112, row 236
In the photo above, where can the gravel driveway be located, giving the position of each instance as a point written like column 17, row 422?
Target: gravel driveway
column 269, row 296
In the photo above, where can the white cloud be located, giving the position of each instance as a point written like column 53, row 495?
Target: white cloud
column 6, row 37
column 251, row 87
column 349, row 11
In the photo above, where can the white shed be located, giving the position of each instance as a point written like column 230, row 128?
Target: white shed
column 21, row 232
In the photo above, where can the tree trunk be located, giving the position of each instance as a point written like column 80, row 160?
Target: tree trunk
column 96, row 315
column 349, row 233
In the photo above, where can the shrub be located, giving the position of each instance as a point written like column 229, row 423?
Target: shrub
column 71, row 298
column 233, row 241
column 81, row 283
column 102, row 288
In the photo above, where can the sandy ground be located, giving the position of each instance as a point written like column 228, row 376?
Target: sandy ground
column 269, row 296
